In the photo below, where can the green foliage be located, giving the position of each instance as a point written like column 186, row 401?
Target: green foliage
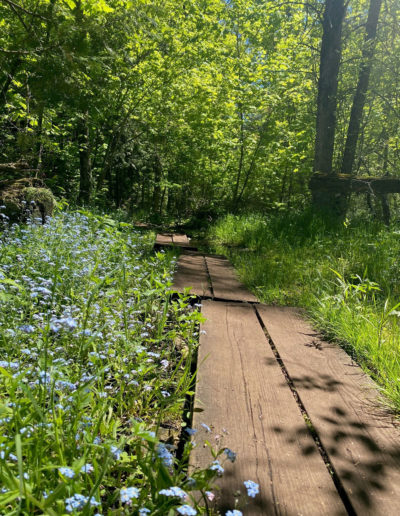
column 171, row 108
column 41, row 196
column 186, row 107
column 346, row 277
column 95, row 372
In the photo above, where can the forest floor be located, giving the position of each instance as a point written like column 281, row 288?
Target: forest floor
column 302, row 417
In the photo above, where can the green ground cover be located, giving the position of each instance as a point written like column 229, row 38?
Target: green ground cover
column 347, row 278
column 95, row 368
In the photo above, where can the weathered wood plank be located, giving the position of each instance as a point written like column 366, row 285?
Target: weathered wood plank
column 163, row 239
column 192, row 272
column 180, row 240
column 173, row 240
column 363, row 445
column 245, row 399
column 224, row 281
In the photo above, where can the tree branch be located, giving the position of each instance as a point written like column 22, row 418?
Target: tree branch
column 13, row 5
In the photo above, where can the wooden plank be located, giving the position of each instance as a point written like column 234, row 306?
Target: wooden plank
column 163, row 239
column 180, row 240
column 192, row 272
column 246, row 400
column 224, row 281
column 172, row 240
column 362, row 443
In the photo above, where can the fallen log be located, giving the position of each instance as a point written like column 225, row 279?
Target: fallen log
column 345, row 184
column 18, row 170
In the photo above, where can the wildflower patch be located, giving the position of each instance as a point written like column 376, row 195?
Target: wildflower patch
column 95, row 361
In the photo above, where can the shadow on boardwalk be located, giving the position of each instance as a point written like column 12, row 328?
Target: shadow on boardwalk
column 364, row 478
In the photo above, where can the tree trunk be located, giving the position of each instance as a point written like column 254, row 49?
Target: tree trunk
column 108, row 161
column 118, row 179
column 362, row 87
column 241, row 158
column 327, row 85
column 157, row 167
column 330, row 202
column 385, row 209
column 10, row 76
column 86, row 184
column 384, row 197
column 39, row 136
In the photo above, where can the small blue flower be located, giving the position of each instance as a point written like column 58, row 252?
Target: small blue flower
column 77, row 502
column 126, row 494
column 143, row 511
column 174, row 491
column 216, row 466
column 190, row 431
column 67, row 472
column 252, row 488
column 68, row 323
column 210, row 495
column 116, row 452
column 235, row 512
column 87, row 468
column 165, row 456
column 27, row 328
column 206, row 427
column 230, row 454
column 186, row 510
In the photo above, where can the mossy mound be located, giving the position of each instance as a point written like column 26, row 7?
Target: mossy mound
column 25, row 198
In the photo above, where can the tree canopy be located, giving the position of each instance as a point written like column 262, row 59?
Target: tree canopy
column 190, row 107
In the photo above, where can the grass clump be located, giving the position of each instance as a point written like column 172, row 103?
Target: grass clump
column 347, row 277
column 95, row 366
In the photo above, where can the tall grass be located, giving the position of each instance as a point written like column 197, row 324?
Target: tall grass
column 347, row 277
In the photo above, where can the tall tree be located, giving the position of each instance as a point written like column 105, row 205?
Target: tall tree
column 362, row 87
column 331, row 46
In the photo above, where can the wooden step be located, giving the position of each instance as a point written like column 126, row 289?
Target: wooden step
column 362, row 444
column 248, row 404
column 192, row 273
column 224, row 281
column 181, row 240
column 164, row 239
column 174, row 240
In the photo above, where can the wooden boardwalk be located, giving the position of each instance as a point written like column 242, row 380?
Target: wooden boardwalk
column 173, row 240
column 302, row 417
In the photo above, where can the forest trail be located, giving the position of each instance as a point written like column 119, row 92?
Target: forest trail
column 303, row 418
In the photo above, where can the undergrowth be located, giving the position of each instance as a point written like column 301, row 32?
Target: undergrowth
column 95, row 369
column 347, row 277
